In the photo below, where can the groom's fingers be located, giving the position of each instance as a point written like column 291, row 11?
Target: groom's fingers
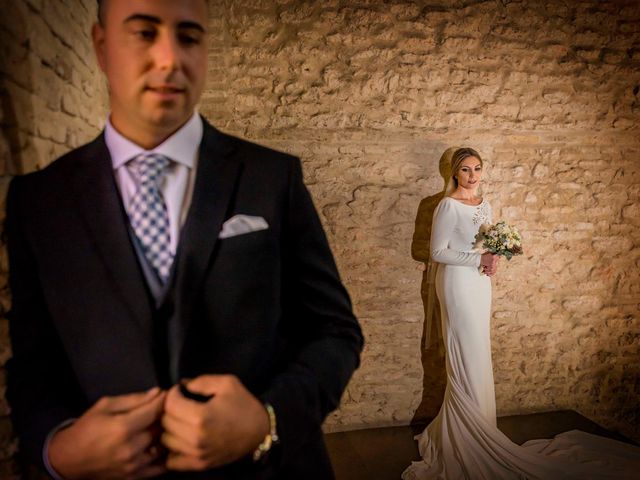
column 183, row 409
column 144, row 416
column 125, row 403
column 176, row 444
column 177, row 427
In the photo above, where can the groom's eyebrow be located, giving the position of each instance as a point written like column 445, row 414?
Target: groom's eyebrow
column 184, row 24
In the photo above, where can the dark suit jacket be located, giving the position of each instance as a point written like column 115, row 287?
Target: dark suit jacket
column 267, row 306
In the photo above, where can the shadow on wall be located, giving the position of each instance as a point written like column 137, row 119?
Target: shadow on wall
column 431, row 346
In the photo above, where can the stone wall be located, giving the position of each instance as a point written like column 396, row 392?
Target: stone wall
column 370, row 94
column 52, row 99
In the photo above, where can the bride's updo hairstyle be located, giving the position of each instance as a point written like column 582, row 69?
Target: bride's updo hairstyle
column 456, row 160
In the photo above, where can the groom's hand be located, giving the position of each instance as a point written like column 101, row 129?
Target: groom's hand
column 116, row 438
column 203, row 435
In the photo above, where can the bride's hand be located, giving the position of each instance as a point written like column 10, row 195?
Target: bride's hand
column 489, row 263
column 495, row 266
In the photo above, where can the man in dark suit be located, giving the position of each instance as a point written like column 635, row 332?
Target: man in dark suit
column 176, row 307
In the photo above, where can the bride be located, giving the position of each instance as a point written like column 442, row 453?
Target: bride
column 463, row 441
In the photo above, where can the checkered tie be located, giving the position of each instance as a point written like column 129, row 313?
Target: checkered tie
column 148, row 213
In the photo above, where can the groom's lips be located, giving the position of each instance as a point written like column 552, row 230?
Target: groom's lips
column 166, row 91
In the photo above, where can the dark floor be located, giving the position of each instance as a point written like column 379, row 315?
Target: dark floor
column 383, row 453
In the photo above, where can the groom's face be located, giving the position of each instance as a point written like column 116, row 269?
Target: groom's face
column 154, row 55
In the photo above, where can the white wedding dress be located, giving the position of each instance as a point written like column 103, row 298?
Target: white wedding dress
column 463, row 441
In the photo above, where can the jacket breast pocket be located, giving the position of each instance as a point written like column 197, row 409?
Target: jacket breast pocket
column 252, row 242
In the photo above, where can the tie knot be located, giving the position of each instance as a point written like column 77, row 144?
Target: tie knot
column 150, row 166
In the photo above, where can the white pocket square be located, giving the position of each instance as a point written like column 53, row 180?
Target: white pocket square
column 241, row 224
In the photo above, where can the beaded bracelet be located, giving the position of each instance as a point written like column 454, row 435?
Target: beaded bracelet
column 270, row 439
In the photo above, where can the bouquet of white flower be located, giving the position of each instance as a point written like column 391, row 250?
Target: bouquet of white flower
column 499, row 239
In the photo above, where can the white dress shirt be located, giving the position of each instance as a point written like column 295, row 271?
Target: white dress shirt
column 177, row 190
column 177, row 183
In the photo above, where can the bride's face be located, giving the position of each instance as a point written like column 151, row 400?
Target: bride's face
column 470, row 173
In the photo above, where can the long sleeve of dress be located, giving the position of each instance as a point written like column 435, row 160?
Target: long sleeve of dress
column 444, row 223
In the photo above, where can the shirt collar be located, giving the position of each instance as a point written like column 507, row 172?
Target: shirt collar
column 181, row 147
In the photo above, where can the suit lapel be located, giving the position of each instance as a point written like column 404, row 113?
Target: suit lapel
column 103, row 214
column 214, row 190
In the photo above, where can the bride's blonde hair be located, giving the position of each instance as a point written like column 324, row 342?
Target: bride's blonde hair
column 458, row 156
